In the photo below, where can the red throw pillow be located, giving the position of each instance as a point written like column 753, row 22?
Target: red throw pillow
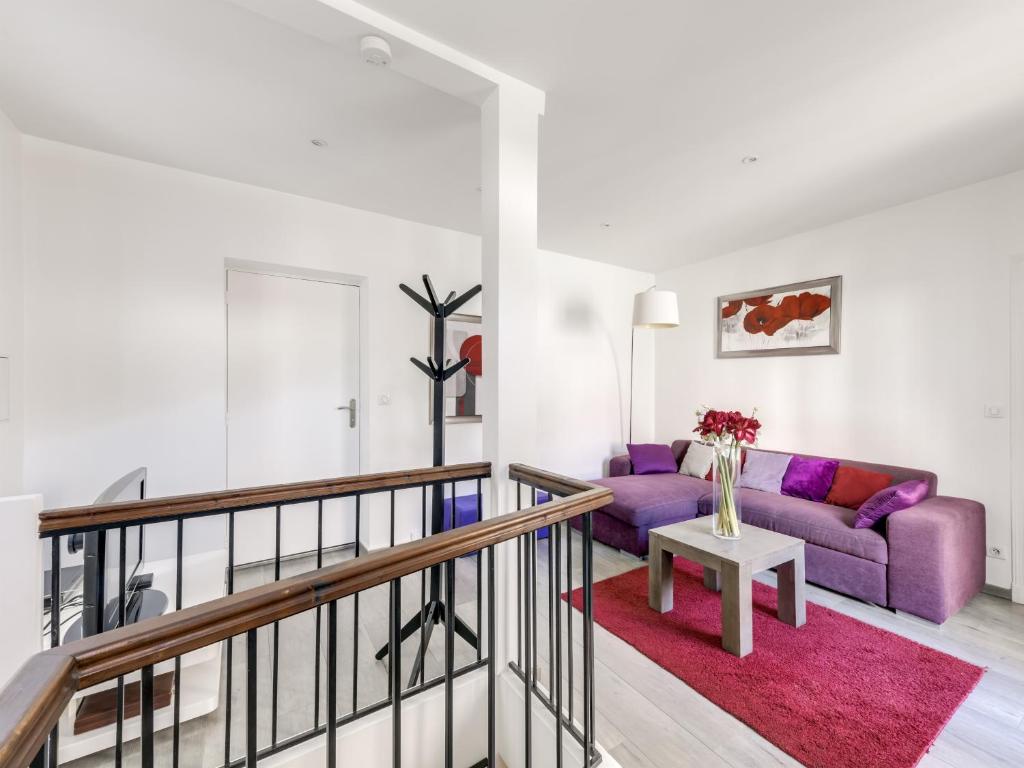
column 743, row 461
column 853, row 486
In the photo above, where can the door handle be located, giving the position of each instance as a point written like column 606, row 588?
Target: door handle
column 351, row 408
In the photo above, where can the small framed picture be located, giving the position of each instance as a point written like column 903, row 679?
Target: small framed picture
column 462, row 338
column 796, row 319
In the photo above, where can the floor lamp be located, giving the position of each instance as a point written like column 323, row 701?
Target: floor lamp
column 651, row 309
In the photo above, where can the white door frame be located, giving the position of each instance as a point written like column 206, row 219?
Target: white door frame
column 323, row 276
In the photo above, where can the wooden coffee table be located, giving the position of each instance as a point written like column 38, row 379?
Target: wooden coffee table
column 728, row 568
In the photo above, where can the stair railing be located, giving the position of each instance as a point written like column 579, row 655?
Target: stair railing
column 32, row 704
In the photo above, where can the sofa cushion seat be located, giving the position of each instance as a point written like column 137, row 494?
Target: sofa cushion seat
column 643, row 500
column 826, row 525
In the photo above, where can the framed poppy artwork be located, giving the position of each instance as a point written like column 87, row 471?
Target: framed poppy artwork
column 462, row 339
column 797, row 319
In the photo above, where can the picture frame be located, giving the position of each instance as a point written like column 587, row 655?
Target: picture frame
column 461, row 391
column 796, row 319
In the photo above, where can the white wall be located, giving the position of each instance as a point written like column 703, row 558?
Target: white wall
column 125, row 325
column 125, row 318
column 11, row 326
column 585, row 315
column 925, row 344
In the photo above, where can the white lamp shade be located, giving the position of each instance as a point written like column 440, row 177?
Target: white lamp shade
column 655, row 309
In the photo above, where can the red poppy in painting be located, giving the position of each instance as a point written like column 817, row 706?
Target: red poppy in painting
column 765, row 319
column 757, row 301
column 731, row 308
column 812, row 305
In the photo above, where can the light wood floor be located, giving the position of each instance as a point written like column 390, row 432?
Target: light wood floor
column 646, row 717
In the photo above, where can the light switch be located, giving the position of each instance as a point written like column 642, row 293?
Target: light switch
column 383, row 399
column 994, row 412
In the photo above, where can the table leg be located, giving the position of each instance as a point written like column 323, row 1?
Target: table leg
column 737, row 614
column 792, row 601
column 659, row 577
column 711, row 580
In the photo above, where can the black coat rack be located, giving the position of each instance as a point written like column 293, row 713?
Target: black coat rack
column 439, row 371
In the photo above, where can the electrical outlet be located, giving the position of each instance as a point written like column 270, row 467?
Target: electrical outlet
column 997, row 553
column 994, row 412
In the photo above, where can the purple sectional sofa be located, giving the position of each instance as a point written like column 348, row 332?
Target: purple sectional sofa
column 928, row 560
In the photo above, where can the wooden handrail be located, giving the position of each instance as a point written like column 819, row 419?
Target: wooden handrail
column 54, row 522
column 31, row 703
column 551, row 482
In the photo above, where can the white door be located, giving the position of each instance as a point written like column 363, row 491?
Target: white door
column 293, row 372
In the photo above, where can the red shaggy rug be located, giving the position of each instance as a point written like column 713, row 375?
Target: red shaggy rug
column 835, row 693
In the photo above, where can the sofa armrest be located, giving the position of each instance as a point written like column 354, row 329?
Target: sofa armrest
column 620, row 465
column 936, row 556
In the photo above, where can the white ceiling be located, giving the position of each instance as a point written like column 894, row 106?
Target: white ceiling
column 851, row 106
column 210, row 87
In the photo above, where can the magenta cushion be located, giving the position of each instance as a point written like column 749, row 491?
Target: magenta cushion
column 651, row 459
column 809, row 478
column 889, row 500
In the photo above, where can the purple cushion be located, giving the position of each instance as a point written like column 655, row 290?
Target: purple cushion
column 889, row 500
column 655, row 499
column 763, row 471
column 651, row 459
column 809, row 478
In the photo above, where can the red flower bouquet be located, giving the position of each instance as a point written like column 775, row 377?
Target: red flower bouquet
column 728, row 432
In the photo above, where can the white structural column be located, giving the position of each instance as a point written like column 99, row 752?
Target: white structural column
column 509, row 121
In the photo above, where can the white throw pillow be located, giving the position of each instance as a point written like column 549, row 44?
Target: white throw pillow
column 697, row 460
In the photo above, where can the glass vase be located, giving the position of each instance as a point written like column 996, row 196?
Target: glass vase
column 725, row 477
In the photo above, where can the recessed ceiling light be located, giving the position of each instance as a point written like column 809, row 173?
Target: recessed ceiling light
column 319, row 143
column 750, row 159
column 606, row 225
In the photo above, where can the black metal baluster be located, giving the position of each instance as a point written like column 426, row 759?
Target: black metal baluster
column 355, row 622
column 332, row 675
column 176, row 736
column 395, row 662
column 122, row 558
column 55, row 598
column 146, row 702
column 251, row 695
column 552, row 610
column 533, row 583
column 392, row 518
column 555, row 540
column 316, row 651
column 277, row 629
column 230, row 640
column 588, row 641
column 568, row 616
column 449, row 662
column 528, row 649
column 479, row 577
column 491, row 662
column 520, row 627
column 422, row 658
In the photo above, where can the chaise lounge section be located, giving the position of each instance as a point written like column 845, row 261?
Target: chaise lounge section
column 927, row 560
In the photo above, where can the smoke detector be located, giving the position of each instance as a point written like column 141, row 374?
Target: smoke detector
column 375, row 51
